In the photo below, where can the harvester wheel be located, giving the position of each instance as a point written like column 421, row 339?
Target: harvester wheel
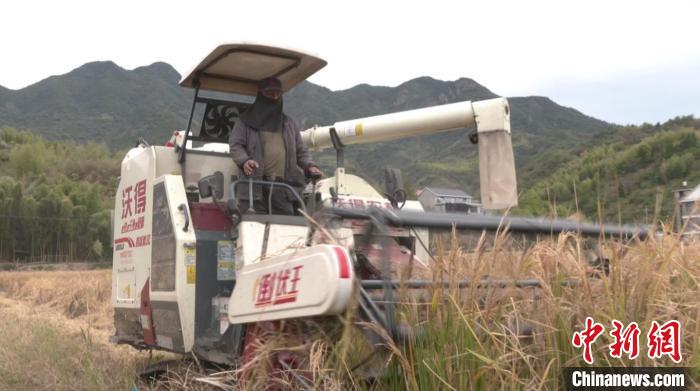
column 280, row 354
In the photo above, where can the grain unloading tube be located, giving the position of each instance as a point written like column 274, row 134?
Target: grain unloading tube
column 491, row 118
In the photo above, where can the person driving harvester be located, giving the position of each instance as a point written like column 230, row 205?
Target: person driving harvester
column 266, row 144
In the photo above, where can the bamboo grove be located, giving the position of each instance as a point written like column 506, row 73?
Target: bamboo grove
column 55, row 199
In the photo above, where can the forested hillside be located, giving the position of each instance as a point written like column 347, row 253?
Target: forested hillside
column 630, row 177
column 103, row 102
column 55, row 198
column 56, row 184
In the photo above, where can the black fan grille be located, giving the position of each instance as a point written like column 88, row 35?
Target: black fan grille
column 218, row 122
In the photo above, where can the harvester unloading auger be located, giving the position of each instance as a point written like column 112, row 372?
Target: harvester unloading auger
column 192, row 274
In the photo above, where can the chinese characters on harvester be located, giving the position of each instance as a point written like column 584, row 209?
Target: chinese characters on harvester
column 134, row 196
column 133, row 217
column 663, row 340
column 278, row 287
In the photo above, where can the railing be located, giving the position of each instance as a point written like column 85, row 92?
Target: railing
column 250, row 181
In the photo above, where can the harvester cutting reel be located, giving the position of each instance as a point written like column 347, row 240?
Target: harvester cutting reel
column 376, row 272
column 358, row 275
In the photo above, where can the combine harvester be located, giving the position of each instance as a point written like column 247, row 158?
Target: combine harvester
column 192, row 274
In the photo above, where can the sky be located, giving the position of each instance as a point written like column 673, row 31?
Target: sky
column 621, row 61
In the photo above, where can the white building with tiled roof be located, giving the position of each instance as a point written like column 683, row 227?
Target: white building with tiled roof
column 446, row 200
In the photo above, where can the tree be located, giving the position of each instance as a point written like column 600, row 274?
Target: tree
column 27, row 159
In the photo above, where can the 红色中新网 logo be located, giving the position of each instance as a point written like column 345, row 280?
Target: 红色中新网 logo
column 662, row 340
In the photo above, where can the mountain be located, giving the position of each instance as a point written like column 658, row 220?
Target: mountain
column 447, row 159
column 101, row 101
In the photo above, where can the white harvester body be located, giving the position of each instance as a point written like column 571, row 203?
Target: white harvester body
column 189, row 271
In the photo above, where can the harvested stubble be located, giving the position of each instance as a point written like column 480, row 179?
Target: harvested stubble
column 75, row 294
column 55, row 328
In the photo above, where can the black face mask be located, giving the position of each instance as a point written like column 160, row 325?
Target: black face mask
column 265, row 114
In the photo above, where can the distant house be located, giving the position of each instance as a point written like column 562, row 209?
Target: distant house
column 688, row 213
column 440, row 199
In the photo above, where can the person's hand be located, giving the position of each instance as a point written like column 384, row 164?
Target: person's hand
column 249, row 166
column 314, row 172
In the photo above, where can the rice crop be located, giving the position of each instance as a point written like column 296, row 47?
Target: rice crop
column 498, row 337
column 477, row 337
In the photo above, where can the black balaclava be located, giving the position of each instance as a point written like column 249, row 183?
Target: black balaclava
column 265, row 114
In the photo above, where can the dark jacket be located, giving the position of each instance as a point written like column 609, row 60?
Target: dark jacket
column 245, row 144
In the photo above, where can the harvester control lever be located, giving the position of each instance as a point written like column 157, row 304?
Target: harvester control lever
column 183, row 208
column 314, row 180
column 334, row 195
column 251, row 209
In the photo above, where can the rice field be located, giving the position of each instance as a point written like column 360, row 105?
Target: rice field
column 56, row 324
column 54, row 333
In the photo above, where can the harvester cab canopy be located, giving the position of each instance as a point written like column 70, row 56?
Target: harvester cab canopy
column 238, row 67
